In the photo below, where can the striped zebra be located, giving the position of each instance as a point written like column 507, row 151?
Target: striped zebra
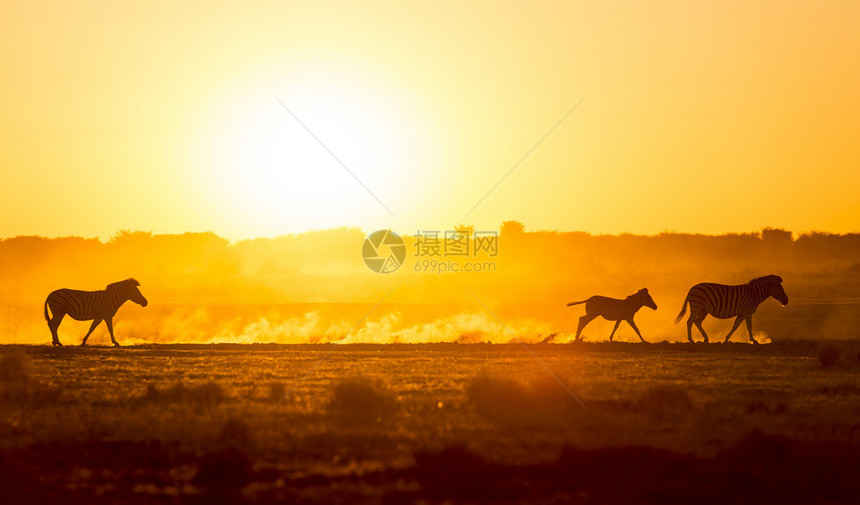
column 97, row 306
column 614, row 309
column 723, row 302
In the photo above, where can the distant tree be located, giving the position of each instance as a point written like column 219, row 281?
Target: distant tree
column 512, row 228
column 776, row 235
column 130, row 237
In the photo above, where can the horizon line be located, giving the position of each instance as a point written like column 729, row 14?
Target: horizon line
column 110, row 238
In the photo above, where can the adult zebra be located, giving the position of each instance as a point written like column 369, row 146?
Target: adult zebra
column 614, row 309
column 723, row 302
column 96, row 305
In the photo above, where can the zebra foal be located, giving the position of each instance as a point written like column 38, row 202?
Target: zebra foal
column 723, row 301
column 97, row 306
column 614, row 309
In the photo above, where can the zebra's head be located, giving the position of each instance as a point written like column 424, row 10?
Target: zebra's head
column 646, row 299
column 777, row 291
column 130, row 289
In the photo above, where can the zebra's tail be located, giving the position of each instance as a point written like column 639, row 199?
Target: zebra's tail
column 47, row 317
column 575, row 303
column 683, row 310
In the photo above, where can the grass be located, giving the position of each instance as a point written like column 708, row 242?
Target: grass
column 177, row 424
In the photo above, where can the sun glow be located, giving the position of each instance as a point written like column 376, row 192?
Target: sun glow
column 270, row 172
column 430, row 105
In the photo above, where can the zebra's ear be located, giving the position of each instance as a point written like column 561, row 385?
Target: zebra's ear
column 644, row 290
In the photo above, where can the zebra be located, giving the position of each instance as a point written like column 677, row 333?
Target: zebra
column 613, row 309
column 97, row 306
column 723, row 302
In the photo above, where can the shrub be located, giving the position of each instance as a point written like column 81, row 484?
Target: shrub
column 208, row 394
column 277, row 392
column 30, row 394
column 224, row 471
column 362, row 400
column 665, row 401
column 235, row 433
column 14, row 367
column 16, row 385
column 507, row 400
column 760, row 406
column 828, row 355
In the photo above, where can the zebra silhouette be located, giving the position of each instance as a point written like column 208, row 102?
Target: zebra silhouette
column 97, row 306
column 613, row 309
column 723, row 302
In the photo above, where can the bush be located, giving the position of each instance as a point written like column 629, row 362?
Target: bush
column 16, row 385
column 828, row 355
column 235, row 433
column 665, row 401
column 362, row 400
column 30, row 394
column 224, row 471
column 506, row 400
column 207, row 395
column 14, row 367
column 277, row 392
column 762, row 407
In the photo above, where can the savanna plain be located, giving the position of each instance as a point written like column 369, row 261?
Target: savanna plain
column 431, row 423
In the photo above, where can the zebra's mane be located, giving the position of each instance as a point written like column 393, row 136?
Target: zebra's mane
column 128, row 282
column 766, row 278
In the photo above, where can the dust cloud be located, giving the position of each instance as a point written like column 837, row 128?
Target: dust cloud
column 315, row 288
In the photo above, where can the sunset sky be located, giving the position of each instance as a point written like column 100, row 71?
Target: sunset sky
column 167, row 116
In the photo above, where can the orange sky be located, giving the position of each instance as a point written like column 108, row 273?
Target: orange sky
column 698, row 116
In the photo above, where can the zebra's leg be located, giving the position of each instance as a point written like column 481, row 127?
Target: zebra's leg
column 96, row 322
column 617, row 323
column 749, row 329
column 690, row 328
column 53, row 324
column 734, row 327
column 698, row 323
column 633, row 325
column 704, row 335
column 109, row 323
column 584, row 320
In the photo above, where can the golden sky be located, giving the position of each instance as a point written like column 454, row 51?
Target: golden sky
column 165, row 116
